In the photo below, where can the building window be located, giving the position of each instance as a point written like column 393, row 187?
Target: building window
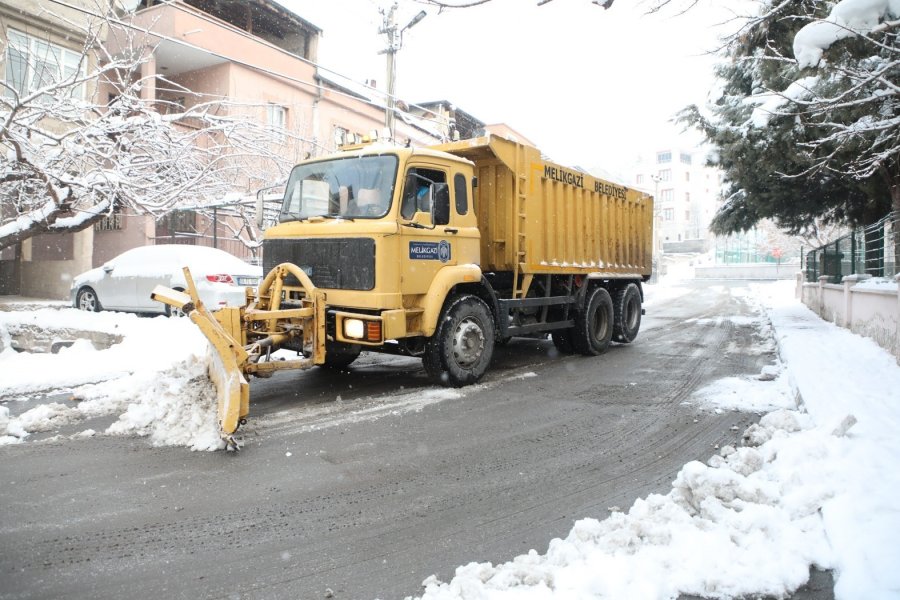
column 666, row 195
column 32, row 64
column 663, row 157
column 687, row 175
column 277, row 116
column 665, row 175
column 639, row 179
column 668, row 214
column 685, row 158
column 687, row 197
column 687, row 215
column 111, row 222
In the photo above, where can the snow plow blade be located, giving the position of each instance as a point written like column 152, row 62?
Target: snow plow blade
column 242, row 339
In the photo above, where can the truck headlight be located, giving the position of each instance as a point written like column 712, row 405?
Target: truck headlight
column 361, row 329
column 354, row 328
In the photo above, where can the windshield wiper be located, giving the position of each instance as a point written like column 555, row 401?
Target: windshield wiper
column 329, row 216
column 415, row 225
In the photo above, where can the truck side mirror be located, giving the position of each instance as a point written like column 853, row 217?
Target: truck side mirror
column 440, row 203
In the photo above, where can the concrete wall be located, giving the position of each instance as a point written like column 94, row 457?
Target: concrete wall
column 52, row 278
column 866, row 310
column 747, row 271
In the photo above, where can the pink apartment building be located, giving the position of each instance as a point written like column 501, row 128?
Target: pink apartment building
column 255, row 53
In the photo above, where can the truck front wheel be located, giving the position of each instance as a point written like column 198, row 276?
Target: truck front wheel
column 460, row 351
column 339, row 356
column 593, row 328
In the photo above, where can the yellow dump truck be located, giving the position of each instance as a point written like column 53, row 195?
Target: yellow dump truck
column 439, row 253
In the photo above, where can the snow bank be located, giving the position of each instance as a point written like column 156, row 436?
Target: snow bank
column 811, row 487
column 745, row 523
column 155, row 379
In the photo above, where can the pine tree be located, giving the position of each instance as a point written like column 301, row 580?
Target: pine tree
column 804, row 144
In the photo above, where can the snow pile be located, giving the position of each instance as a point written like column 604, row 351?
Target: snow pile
column 768, row 391
column 881, row 284
column 155, row 379
column 838, row 372
column 848, row 18
column 811, row 487
column 745, row 523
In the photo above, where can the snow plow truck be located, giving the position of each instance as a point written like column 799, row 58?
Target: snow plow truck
column 439, row 253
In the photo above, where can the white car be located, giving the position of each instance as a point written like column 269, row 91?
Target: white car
column 125, row 282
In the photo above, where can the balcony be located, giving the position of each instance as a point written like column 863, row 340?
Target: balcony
column 187, row 39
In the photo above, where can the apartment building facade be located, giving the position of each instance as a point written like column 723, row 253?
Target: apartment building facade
column 258, row 56
column 687, row 196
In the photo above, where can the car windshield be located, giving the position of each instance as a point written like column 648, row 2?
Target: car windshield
column 353, row 187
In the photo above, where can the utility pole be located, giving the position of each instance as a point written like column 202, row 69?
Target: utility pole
column 395, row 42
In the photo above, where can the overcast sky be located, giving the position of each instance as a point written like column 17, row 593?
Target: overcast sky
column 591, row 87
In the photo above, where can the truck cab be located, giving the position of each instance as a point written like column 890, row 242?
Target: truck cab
column 376, row 229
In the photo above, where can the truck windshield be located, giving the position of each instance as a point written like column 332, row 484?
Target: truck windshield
column 352, row 187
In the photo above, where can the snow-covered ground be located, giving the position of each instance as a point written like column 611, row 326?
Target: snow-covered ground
column 814, row 483
column 144, row 379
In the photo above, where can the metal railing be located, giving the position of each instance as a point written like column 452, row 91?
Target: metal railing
column 232, row 246
column 870, row 250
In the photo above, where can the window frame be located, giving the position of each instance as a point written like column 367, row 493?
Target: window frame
column 37, row 58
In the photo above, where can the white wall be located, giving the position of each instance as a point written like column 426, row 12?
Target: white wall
column 866, row 310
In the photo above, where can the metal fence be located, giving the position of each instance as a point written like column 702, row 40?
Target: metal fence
column 870, row 250
column 232, row 246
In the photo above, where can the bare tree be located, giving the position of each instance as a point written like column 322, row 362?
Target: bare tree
column 68, row 161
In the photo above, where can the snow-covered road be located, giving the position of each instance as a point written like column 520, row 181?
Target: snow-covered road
column 814, row 483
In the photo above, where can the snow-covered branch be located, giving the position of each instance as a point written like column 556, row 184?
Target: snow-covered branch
column 71, row 157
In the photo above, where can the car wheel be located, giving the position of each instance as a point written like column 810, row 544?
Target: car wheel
column 87, row 300
column 171, row 311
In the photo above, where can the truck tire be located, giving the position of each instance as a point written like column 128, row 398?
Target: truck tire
column 340, row 356
column 627, row 307
column 562, row 339
column 593, row 328
column 460, row 351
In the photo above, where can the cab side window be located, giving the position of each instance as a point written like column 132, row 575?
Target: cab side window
column 417, row 190
column 460, row 193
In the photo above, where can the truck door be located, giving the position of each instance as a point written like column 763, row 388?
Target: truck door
column 427, row 247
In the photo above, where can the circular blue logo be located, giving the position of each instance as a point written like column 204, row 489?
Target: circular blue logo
column 444, row 251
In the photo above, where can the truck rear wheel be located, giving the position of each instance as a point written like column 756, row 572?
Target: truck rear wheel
column 627, row 306
column 593, row 328
column 460, row 351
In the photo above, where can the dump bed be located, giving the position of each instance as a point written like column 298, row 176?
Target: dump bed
column 539, row 217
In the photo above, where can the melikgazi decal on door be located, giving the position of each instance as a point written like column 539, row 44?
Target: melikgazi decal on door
column 430, row 251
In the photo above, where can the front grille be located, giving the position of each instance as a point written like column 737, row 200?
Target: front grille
column 338, row 264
